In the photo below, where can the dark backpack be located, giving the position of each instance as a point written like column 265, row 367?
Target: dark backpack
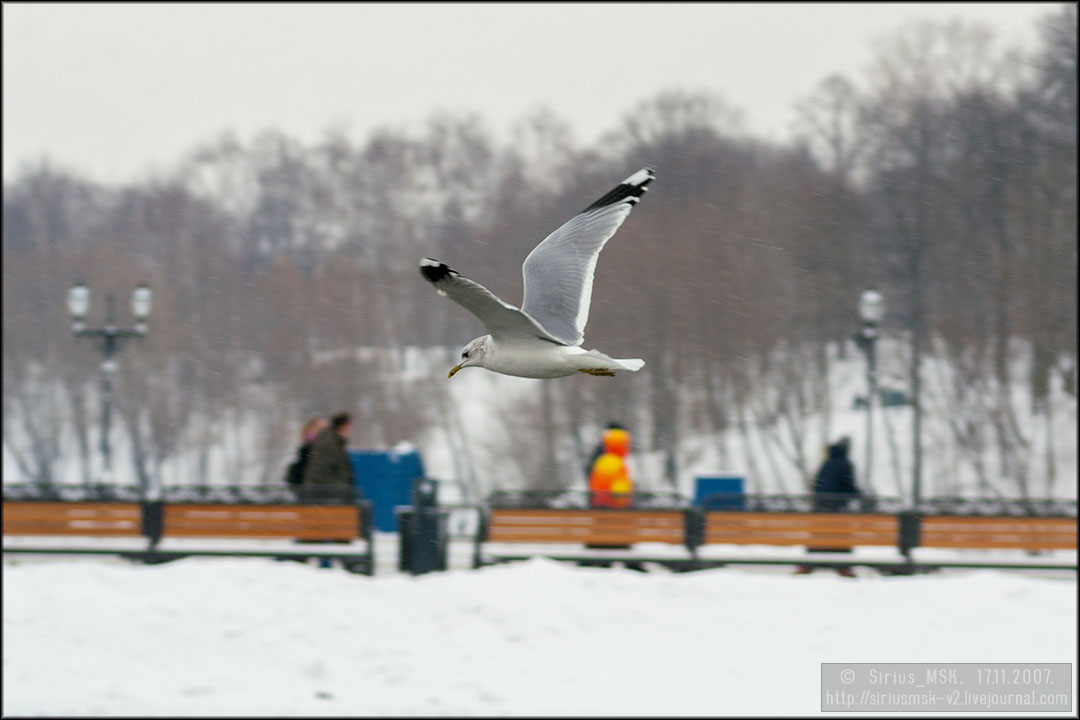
column 295, row 474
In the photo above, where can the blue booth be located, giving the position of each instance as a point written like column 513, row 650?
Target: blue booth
column 730, row 485
column 385, row 478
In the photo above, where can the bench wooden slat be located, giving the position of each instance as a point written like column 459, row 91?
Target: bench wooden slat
column 765, row 534
column 614, row 527
column 588, row 537
column 303, row 522
column 824, row 530
column 1025, row 533
column 64, row 518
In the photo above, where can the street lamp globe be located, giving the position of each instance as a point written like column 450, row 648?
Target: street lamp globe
column 141, row 299
column 78, row 301
column 871, row 307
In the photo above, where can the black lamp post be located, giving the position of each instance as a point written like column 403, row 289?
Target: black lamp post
column 872, row 309
column 111, row 338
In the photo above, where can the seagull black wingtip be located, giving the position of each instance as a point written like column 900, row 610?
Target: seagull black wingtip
column 433, row 270
column 629, row 190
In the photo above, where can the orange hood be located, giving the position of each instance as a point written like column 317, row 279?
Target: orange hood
column 617, row 442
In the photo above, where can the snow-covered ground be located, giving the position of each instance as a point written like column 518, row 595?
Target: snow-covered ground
column 258, row 637
column 99, row 636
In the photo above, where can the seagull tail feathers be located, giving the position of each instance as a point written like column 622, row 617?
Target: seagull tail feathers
column 632, row 364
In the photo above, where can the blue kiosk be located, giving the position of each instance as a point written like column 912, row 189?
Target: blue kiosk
column 721, row 492
column 385, row 477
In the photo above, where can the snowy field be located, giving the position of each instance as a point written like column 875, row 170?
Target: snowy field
column 257, row 637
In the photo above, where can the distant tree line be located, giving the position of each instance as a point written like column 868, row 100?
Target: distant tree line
column 946, row 178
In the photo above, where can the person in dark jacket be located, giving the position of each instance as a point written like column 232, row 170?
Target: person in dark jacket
column 835, row 482
column 834, row 487
column 329, row 474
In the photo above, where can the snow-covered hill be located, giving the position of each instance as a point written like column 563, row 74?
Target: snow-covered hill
column 470, row 439
column 948, row 469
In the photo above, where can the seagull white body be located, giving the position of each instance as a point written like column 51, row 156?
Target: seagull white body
column 540, row 359
column 542, row 339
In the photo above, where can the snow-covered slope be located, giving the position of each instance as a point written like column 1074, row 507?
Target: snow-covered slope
column 469, row 439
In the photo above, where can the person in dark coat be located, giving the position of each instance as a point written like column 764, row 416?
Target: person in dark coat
column 835, row 482
column 329, row 474
column 834, row 487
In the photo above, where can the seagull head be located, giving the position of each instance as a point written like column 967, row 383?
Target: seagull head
column 473, row 354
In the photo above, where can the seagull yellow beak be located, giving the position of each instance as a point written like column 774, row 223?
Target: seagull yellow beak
column 453, row 371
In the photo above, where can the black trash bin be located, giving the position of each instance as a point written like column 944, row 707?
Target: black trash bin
column 405, row 535
column 423, row 530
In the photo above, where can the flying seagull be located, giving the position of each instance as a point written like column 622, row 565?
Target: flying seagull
column 542, row 339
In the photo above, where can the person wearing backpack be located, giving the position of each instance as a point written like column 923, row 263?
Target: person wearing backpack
column 294, row 475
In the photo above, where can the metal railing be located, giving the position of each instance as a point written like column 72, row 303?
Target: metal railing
column 583, row 499
column 998, row 507
column 805, row 503
column 261, row 494
column 72, row 493
column 255, row 494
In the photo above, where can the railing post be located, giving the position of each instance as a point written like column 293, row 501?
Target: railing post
column 153, row 521
column 694, row 529
column 482, row 524
column 910, row 530
column 367, row 532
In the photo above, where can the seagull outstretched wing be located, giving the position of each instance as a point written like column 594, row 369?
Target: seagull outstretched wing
column 559, row 271
column 503, row 321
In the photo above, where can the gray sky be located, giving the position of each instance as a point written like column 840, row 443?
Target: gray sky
column 115, row 91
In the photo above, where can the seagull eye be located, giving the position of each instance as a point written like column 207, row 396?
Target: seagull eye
column 465, row 355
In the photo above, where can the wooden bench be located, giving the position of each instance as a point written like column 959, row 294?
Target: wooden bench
column 596, row 529
column 840, row 531
column 302, row 522
column 834, row 531
column 1025, row 533
column 590, row 527
column 905, row 531
column 112, row 519
column 229, row 520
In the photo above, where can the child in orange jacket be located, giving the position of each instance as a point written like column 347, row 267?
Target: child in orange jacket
column 610, row 481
